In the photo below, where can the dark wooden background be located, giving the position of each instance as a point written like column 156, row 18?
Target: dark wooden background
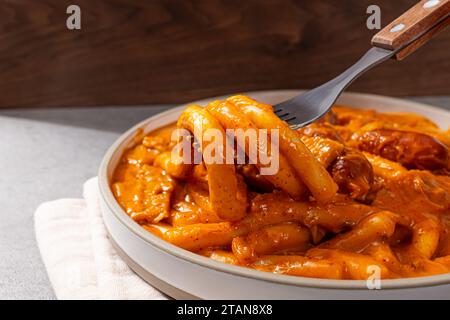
column 164, row 51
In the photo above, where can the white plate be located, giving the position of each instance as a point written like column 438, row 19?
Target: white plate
column 182, row 274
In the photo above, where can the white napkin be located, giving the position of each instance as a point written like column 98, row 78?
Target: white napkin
column 80, row 261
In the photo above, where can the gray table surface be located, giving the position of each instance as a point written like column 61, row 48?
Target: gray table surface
column 47, row 154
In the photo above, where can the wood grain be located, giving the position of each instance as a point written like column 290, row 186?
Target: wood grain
column 416, row 21
column 416, row 44
column 132, row 52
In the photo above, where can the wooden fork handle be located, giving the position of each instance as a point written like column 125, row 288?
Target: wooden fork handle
column 414, row 28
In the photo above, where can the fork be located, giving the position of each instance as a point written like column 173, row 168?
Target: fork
column 397, row 40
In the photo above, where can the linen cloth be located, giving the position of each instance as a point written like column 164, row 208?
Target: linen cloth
column 81, row 262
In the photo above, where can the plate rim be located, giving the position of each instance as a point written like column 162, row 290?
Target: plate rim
column 113, row 206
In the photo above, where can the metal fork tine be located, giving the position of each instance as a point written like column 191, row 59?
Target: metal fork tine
column 312, row 105
column 291, row 120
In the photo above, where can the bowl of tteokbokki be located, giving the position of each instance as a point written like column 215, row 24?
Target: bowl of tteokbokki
column 220, row 199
